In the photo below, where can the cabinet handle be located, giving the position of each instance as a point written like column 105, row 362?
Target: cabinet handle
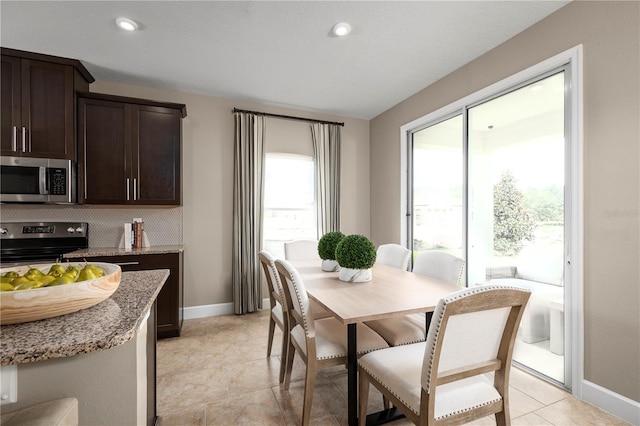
column 135, row 189
column 127, row 263
column 127, row 189
column 14, row 139
column 24, row 139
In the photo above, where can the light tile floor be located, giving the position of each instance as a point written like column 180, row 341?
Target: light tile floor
column 217, row 373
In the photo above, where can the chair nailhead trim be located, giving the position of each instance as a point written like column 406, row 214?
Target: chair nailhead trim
column 459, row 295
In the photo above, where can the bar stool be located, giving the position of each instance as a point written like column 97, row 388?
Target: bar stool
column 61, row 412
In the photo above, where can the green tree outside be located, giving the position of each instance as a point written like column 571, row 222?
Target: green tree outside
column 513, row 221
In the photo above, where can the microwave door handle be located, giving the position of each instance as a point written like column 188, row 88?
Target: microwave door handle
column 43, row 181
column 14, row 139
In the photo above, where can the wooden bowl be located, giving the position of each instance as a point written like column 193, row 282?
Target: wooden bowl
column 47, row 302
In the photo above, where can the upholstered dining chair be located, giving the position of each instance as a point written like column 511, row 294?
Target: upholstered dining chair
column 301, row 249
column 444, row 380
column 393, row 255
column 278, row 316
column 440, row 265
column 319, row 343
column 412, row 328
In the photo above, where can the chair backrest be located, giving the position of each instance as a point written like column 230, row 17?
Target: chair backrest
column 439, row 265
column 301, row 249
column 473, row 332
column 276, row 292
column 393, row 255
column 297, row 301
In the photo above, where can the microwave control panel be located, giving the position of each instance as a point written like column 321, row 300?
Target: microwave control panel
column 57, row 181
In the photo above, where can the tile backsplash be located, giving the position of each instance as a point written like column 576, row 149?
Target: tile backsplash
column 162, row 225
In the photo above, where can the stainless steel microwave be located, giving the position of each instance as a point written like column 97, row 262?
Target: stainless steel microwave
column 37, row 180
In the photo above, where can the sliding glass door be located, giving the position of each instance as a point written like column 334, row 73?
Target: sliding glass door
column 438, row 187
column 488, row 185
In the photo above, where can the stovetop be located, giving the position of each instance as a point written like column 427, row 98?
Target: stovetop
column 25, row 242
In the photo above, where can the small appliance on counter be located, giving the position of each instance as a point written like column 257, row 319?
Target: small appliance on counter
column 40, row 242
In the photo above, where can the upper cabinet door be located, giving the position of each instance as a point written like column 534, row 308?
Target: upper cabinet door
column 47, row 110
column 104, row 149
column 11, row 106
column 37, row 109
column 156, row 154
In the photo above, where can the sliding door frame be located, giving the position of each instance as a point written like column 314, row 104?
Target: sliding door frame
column 574, row 198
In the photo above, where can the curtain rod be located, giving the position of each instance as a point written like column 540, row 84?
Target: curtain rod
column 290, row 117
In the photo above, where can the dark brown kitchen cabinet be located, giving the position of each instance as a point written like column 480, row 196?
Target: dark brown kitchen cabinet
column 169, row 305
column 38, row 104
column 129, row 150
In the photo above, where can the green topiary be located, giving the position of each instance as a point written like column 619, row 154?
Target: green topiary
column 328, row 243
column 356, row 252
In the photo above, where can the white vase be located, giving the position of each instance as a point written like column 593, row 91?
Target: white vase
column 329, row 265
column 355, row 275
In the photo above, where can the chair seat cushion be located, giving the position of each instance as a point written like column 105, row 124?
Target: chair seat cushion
column 400, row 330
column 276, row 313
column 331, row 339
column 400, row 368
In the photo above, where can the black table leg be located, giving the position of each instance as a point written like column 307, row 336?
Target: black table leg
column 427, row 318
column 352, row 374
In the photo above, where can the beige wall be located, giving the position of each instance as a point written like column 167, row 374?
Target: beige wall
column 610, row 35
column 208, row 179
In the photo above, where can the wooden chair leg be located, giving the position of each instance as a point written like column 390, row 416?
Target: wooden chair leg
column 291, row 351
column 364, row 398
column 272, row 327
column 309, row 383
column 283, row 356
column 502, row 419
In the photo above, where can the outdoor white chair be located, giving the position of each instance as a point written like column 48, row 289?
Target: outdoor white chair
column 412, row 328
column 301, row 249
column 393, row 255
column 319, row 343
column 444, row 380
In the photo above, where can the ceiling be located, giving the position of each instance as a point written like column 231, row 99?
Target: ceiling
column 275, row 52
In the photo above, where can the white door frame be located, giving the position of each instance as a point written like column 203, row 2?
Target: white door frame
column 574, row 280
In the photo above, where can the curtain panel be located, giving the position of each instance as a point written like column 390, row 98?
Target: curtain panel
column 248, row 182
column 326, row 147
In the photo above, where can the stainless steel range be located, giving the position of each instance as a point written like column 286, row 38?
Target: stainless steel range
column 40, row 242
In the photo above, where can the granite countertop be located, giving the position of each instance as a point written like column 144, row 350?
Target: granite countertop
column 111, row 251
column 110, row 323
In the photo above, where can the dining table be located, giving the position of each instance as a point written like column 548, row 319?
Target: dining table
column 390, row 293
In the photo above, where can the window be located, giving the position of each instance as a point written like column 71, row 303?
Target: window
column 289, row 201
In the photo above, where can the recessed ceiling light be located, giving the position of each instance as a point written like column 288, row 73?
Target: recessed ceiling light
column 341, row 29
column 126, row 24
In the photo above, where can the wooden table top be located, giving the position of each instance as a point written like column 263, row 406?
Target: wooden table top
column 391, row 292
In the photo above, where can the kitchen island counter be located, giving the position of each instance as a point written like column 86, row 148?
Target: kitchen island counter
column 104, row 356
column 114, row 251
column 110, row 323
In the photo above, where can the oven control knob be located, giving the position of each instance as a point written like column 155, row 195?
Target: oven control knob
column 71, row 230
column 79, row 230
column 3, row 231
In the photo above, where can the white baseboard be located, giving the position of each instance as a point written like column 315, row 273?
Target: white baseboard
column 203, row 311
column 611, row 402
